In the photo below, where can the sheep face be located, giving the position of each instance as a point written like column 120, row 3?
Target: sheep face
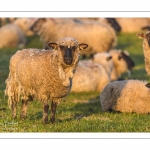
column 68, row 52
column 37, row 24
column 127, row 59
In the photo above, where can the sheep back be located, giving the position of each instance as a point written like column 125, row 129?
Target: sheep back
column 126, row 96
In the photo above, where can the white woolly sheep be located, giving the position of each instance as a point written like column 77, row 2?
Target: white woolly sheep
column 146, row 49
column 132, row 25
column 42, row 74
column 126, row 96
column 13, row 34
column 103, row 36
column 89, row 76
column 122, row 63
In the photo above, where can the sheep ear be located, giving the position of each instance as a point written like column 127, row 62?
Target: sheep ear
column 148, row 38
column 53, row 45
column 148, row 85
column 82, row 46
column 141, row 35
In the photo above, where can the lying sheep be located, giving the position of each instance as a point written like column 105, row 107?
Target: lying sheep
column 14, row 34
column 103, row 36
column 42, row 74
column 122, row 63
column 126, row 96
column 89, row 76
column 146, row 49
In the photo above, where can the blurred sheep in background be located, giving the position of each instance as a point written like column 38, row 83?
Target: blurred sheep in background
column 99, row 36
column 14, row 34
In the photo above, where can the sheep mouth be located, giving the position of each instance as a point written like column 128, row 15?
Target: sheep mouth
column 68, row 61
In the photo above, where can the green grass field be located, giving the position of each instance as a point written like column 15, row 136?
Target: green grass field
column 78, row 112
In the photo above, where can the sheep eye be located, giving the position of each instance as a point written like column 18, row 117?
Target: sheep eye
column 62, row 47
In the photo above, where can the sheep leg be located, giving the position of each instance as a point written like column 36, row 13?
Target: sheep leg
column 53, row 111
column 13, row 109
column 24, row 109
column 45, row 113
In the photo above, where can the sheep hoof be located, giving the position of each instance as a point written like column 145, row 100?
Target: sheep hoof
column 45, row 121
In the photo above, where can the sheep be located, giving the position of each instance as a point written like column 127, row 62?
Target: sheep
column 122, row 63
column 132, row 25
column 127, row 96
column 94, row 74
column 116, row 62
column 103, row 36
column 146, row 49
column 89, row 76
column 14, row 34
column 43, row 74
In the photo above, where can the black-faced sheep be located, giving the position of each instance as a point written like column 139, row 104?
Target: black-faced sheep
column 122, row 63
column 42, row 74
column 103, row 36
column 146, row 49
column 126, row 96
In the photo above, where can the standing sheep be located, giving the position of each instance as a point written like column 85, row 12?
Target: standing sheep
column 42, row 74
column 146, row 49
column 103, row 36
column 126, row 96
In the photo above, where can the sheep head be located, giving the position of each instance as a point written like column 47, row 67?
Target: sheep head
column 145, row 36
column 68, row 50
column 38, row 23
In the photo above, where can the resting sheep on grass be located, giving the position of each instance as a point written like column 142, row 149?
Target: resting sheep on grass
column 126, row 96
column 103, row 36
column 93, row 75
column 43, row 74
column 146, row 49
column 89, row 76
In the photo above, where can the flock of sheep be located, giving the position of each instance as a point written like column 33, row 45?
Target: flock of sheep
column 56, row 70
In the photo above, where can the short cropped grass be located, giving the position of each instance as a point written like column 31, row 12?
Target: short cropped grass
column 78, row 112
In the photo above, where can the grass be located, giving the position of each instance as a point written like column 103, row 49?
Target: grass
column 78, row 112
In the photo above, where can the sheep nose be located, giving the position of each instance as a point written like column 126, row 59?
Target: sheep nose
column 67, row 58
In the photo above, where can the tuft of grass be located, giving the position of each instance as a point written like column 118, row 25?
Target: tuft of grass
column 78, row 112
